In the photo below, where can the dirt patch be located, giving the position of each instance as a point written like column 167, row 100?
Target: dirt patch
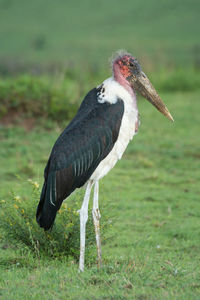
column 16, row 118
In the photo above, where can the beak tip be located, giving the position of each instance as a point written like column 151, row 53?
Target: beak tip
column 171, row 118
column 167, row 114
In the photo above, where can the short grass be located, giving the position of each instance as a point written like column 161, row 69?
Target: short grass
column 152, row 248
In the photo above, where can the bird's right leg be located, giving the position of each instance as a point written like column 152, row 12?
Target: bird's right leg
column 96, row 218
column 83, row 220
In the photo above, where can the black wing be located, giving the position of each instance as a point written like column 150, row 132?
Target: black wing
column 85, row 142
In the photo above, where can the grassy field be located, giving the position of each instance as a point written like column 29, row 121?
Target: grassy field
column 79, row 32
column 151, row 248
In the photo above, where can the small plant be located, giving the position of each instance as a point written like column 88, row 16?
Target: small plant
column 17, row 221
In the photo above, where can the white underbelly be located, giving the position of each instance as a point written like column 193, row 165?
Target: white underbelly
column 127, row 131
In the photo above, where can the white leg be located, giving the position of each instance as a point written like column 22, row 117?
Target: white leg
column 83, row 220
column 96, row 218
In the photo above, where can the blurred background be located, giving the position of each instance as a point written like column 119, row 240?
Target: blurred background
column 49, row 33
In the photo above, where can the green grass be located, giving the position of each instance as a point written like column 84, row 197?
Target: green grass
column 79, row 32
column 152, row 249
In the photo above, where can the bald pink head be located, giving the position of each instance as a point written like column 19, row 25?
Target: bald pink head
column 122, row 66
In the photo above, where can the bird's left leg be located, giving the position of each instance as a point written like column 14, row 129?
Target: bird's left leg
column 96, row 218
column 83, row 220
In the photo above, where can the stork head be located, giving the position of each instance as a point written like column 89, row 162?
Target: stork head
column 128, row 72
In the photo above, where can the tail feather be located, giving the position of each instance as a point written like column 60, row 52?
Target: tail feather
column 47, row 207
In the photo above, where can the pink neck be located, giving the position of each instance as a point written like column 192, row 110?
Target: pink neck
column 122, row 81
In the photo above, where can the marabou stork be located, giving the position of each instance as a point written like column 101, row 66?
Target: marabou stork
column 94, row 141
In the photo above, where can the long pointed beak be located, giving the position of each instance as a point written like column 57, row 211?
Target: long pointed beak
column 143, row 85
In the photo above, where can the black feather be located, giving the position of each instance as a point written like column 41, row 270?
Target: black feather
column 84, row 143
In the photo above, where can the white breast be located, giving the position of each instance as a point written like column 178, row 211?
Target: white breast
column 114, row 90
